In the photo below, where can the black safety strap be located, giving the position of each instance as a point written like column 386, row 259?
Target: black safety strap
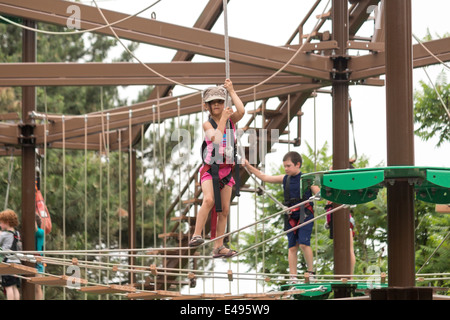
column 237, row 178
column 214, row 171
column 218, row 184
column 288, row 201
column 328, row 207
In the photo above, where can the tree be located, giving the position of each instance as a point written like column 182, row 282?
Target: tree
column 429, row 112
column 431, row 107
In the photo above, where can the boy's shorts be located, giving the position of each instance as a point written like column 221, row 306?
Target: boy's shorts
column 302, row 235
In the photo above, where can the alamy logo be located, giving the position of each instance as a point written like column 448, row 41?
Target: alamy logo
column 73, row 280
column 73, row 22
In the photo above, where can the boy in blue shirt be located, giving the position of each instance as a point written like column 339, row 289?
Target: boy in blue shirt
column 300, row 238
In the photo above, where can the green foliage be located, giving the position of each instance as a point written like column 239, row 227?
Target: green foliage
column 429, row 113
column 432, row 250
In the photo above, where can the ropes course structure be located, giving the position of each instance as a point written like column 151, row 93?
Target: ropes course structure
column 292, row 73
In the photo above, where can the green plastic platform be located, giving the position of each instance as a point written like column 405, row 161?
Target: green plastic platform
column 356, row 186
column 322, row 290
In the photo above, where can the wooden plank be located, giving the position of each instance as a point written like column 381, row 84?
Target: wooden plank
column 183, row 218
column 443, row 208
column 188, row 297
column 14, row 268
column 212, row 295
column 175, row 235
column 193, row 201
column 158, row 294
column 60, row 281
column 231, row 297
column 113, row 288
column 254, row 295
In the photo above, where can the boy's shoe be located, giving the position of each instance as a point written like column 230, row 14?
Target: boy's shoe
column 293, row 279
column 312, row 278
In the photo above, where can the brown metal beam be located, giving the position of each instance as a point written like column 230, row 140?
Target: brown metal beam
column 28, row 156
column 172, row 36
column 143, row 113
column 359, row 14
column 123, row 73
column 374, row 64
column 341, row 223
column 9, row 134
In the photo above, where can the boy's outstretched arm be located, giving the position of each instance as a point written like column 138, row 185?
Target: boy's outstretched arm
column 315, row 189
column 262, row 176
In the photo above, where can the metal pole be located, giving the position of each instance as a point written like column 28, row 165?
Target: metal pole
column 28, row 155
column 400, row 141
column 341, row 223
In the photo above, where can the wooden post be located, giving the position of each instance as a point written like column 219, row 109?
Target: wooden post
column 341, row 222
column 400, row 142
column 28, row 155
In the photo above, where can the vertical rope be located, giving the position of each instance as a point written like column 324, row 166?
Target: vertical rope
column 64, row 191
column 45, row 172
column 120, row 187
column 85, row 199
column 263, row 168
column 10, row 170
column 100, row 204
column 131, row 230
column 154, row 176
column 189, row 193
column 155, row 188
column 179, row 194
column 289, row 122
column 162, row 154
column 199, row 180
column 256, row 202
column 142, row 200
column 108, row 190
column 227, row 48
column 315, row 170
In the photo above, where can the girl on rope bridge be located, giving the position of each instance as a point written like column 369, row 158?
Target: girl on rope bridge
column 219, row 157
